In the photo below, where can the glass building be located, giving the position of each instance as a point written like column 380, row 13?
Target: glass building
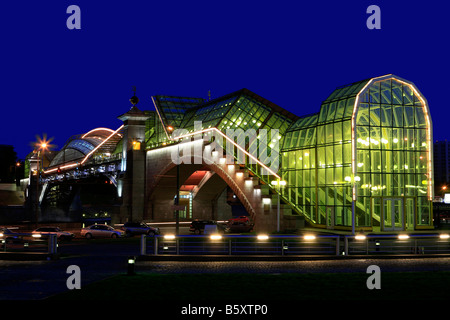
column 363, row 162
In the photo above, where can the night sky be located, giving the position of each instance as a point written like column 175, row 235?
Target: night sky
column 63, row 82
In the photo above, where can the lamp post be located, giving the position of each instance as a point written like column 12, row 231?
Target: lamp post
column 278, row 183
column 353, row 180
column 41, row 145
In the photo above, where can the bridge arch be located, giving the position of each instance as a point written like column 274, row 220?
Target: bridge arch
column 247, row 188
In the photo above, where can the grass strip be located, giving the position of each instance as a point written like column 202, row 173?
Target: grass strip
column 265, row 287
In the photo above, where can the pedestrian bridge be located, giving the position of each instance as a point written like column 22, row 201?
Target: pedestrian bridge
column 363, row 162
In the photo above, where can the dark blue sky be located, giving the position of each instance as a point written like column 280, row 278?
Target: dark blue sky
column 63, row 82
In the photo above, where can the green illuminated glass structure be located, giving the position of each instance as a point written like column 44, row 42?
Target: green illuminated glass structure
column 365, row 160
column 362, row 162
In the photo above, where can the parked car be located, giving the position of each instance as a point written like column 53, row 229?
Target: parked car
column 9, row 236
column 60, row 234
column 239, row 227
column 243, row 219
column 135, row 228
column 198, row 226
column 101, row 231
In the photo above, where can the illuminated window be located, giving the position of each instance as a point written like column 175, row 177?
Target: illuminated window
column 136, row 145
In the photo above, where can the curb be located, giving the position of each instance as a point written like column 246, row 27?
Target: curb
column 237, row 258
column 29, row 256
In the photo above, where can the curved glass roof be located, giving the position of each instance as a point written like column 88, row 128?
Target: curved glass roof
column 340, row 103
column 79, row 146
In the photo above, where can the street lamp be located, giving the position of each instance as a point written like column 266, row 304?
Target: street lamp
column 353, row 180
column 278, row 184
column 41, row 145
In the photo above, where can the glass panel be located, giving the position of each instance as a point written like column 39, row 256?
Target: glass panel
column 397, row 93
column 320, row 134
column 408, row 99
column 410, row 213
column 331, row 111
column 397, row 139
column 323, row 113
column 375, row 138
column 329, row 156
column 338, row 132
column 362, row 137
column 409, row 116
column 386, row 92
column 375, row 115
column 338, row 154
column 398, row 214
column 340, row 109
column 393, row 214
column 329, row 133
column 420, row 118
column 374, row 93
column 397, row 113
column 423, row 211
column 349, row 107
column 362, row 117
column 386, row 115
column 375, row 158
column 347, row 153
column 347, row 130
column 386, row 138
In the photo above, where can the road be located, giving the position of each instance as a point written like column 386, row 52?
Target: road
column 34, row 280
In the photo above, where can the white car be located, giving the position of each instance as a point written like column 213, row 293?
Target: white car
column 101, row 231
column 62, row 235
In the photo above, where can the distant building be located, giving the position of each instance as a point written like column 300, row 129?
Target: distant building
column 441, row 151
column 7, row 163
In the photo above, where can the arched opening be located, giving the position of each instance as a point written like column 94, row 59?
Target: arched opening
column 204, row 194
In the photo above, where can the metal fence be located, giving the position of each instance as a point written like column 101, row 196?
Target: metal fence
column 326, row 245
column 28, row 243
column 239, row 245
column 397, row 244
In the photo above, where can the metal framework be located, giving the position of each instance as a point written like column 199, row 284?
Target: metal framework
column 364, row 161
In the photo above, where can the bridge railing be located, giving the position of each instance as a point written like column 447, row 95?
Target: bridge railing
column 397, row 244
column 239, row 245
column 293, row 245
column 29, row 243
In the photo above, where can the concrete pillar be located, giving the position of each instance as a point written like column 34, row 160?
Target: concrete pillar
column 133, row 165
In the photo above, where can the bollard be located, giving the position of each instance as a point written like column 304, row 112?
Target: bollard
column 155, row 245
column 52, row 243
column 143, row 244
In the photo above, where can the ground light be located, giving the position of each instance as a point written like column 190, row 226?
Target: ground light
column 309, row 237
column 215, row 237
column 169, row 237
column 262, row 237
column 403, row 236
column 131, row 262
column 444, row 236
column 360, row 237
